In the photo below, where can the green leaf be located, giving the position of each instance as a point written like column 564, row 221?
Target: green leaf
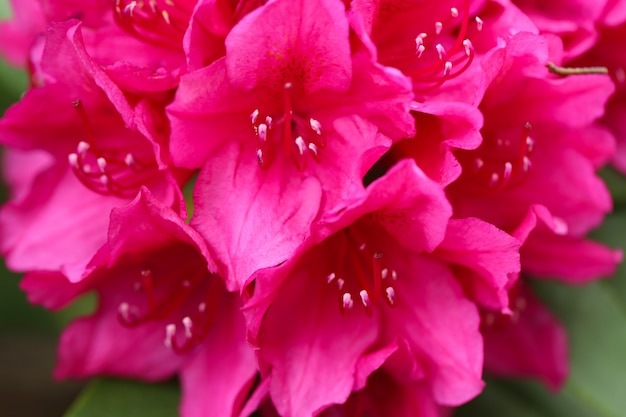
column 595, row 317
column 122, row 398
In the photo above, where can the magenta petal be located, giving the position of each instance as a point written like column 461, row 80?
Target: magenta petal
column 439, row 321
column 489, row 257
column 251, row 218
column 307, row 39
column 216, row 380
column 532, row 343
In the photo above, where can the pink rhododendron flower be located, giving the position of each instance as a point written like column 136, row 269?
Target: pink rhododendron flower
column 161, row 310
column 370, row 179
column 367, row 284
column 95, row 162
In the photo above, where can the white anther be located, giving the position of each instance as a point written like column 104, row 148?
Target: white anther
column 73, row 160
column 454, row 12
column 129, row 160
column 530, row 144
column 170, row 331
column 340, row 284
column 418, row 41
column 202, row 307
column 479, row 23
column 441, row 51
column 268, row 121
column 347, row 301
column 166, row 16
column 384, row 273
column 129, row 9
column 188, row 325
column 262, row 132
column 447, row 68
column 394, row 275
column 478, row 163
column 288, row 85
column 331, row 277
column 124, row 310
column 313, row 148
column 316, row 126
column 104, row 180
column 423, row 35
column 259, row 156
column 362, row 246
column 300, row 144
column 365, row 298
column 102, row 164
column 254, row 115
column 494, row 179
column 526, row 163
column 391, row 295
column 82, row 147
column 468, row 47
column 438, row 27
column 508, row 170
column 420, row 51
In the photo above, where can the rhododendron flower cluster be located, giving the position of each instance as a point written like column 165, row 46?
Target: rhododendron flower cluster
column 316, row 207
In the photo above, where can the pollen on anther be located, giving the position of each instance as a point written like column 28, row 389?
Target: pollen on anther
column 102, row 164
column 391, row 295
column 254, row 115
column 365, row 298
column 313, row 148
column 508, row 170
column 72, row 159
column 262, row 132
column 447, row 68
column 467, row 44
column 166, row 17
column 301, row 145
column 347, row 301
column 438, row 27
column 316, row 126
column 170, row 331
column 454, row 12
column 188, row 325
column 441, row 51
column 384, row 273
column 82, row 147
column 259, row 156
column 479, row 23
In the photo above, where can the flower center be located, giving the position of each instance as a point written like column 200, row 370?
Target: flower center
column 160, row 22
column 107, row 172
column 431, row 63
column 193, row 295
column 499, row 163
column 302, row 137
column 360, row 272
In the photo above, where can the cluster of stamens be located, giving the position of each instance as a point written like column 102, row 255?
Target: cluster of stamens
column 160, row 22
column 111, row 174
column 501, row 163
column 447, row 63
column 165, row 297
column 362, row 277
column 302, row 137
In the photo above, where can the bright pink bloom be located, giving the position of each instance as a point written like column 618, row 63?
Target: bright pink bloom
column 533, row 119
column 85, row 155
column 312, row 110
column 161, row 310
column 365, row 282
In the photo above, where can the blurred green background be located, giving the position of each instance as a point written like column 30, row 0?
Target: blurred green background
column 594, row 315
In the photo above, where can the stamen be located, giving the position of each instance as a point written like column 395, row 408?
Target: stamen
column 454, row 12
column 438, row 27
column 391, row 295
column 347, row 301
column 188, row 325
column 479, row 23
column 170, row 332
column 365, row 298
column 331, row 277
